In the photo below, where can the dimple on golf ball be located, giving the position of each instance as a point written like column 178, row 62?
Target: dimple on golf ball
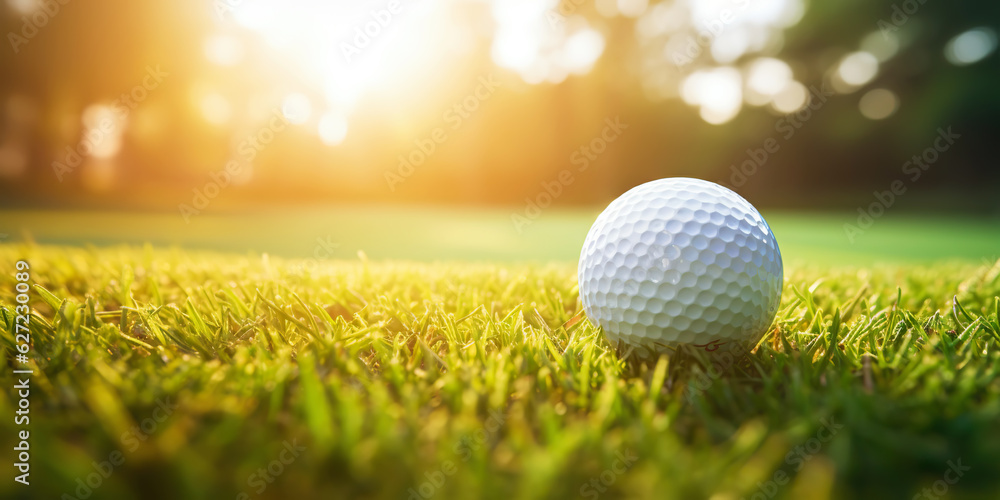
column 680, row 261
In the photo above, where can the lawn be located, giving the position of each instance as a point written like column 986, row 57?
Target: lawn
column 164, row 373
column 477, row 234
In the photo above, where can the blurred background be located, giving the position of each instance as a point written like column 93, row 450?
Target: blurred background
column 199, row 109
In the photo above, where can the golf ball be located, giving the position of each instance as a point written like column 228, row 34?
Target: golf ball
column 680, row 261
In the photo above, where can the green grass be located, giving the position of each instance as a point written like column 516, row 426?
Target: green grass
column 486, row 379
column 475, row 234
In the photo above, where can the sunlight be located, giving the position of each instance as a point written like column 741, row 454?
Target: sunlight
column 332, row 129
column 333, row 55
column 717, row 91
column 690, row 34
column 540, row 44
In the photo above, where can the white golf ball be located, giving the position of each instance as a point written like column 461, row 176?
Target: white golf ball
column 680, row 261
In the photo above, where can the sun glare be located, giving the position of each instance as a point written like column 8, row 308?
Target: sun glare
column 327, row 59
column 331, row 56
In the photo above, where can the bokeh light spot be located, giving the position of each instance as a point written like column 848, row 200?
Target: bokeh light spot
column 768, row 76
column 971, row 46
column 332, row 129
column 858, row 68
column 881, row 45
column 718, row 91
column 223, row 50
column 632, row 8
column 791, row 98
column 878, row 104
column 24, row 6
column 215, row 108
column 103, row 128
column 730, row 45
column 296, row 108
column 582, row 50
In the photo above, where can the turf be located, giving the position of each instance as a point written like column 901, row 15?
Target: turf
column 476, row 234
column 464, row 380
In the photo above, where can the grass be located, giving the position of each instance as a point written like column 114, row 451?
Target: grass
column 476, row 380
column 476, row 234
